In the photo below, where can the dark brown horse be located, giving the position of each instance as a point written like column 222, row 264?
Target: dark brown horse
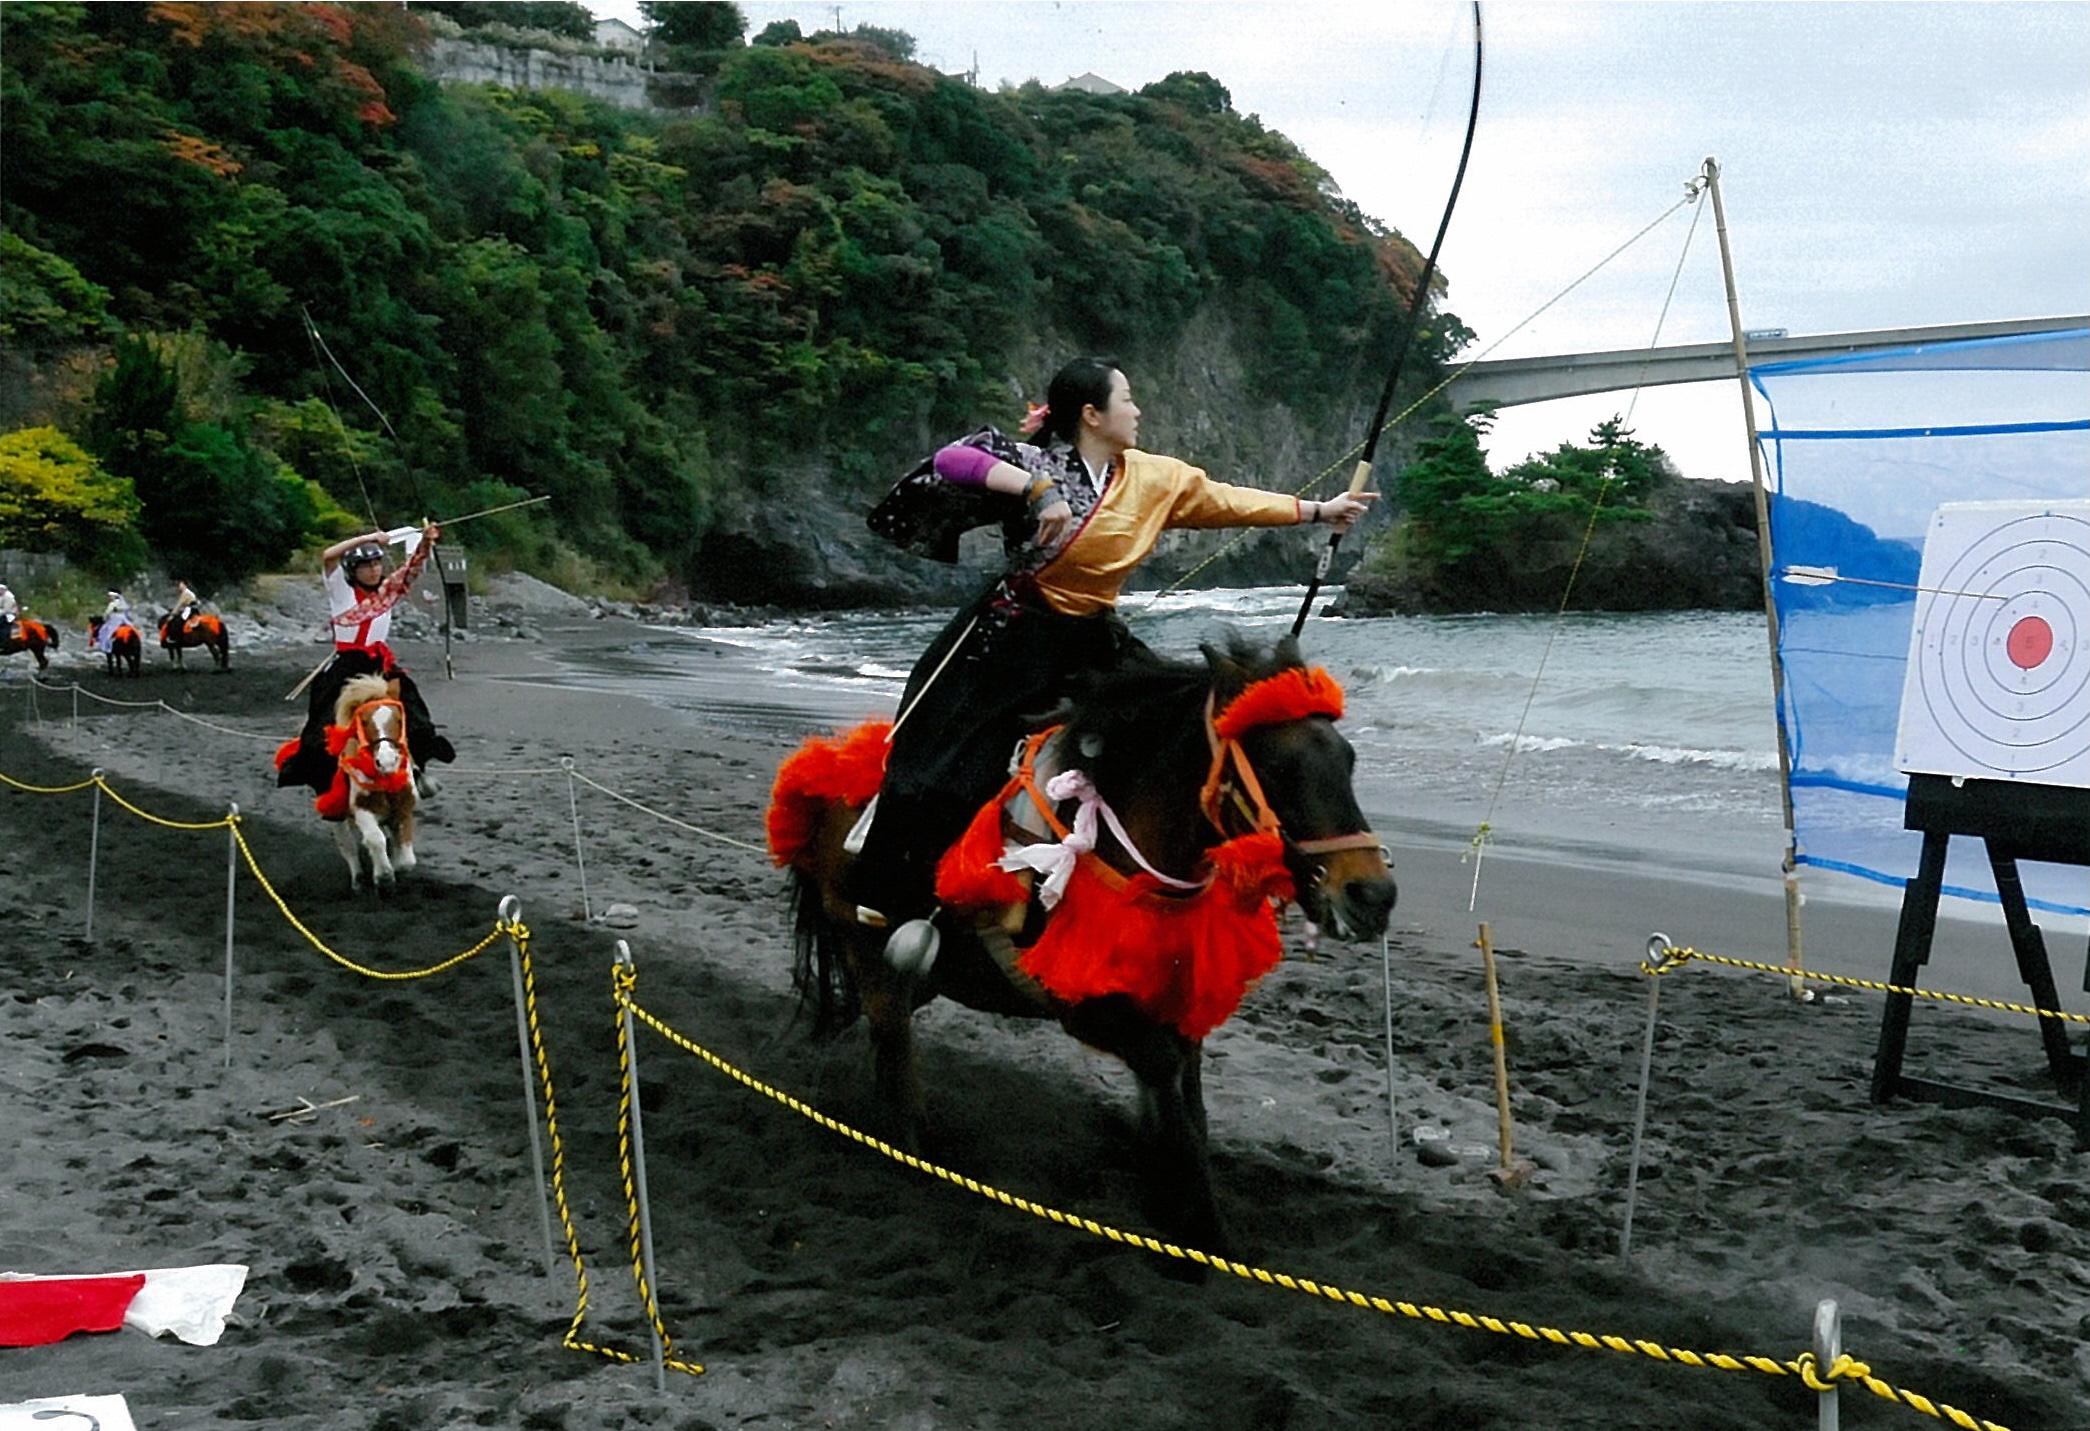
column 125, row 646
column 1229, row 784
column 207, row 631
column 35, row 637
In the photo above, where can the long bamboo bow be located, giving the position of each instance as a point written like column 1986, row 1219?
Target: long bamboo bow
column 1363, row 473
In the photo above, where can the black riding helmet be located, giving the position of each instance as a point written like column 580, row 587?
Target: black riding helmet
column 362, row 552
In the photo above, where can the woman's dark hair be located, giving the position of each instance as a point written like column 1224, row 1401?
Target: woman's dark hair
column 1084, row 382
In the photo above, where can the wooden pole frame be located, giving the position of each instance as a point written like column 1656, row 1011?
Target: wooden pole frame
column 1796, row 985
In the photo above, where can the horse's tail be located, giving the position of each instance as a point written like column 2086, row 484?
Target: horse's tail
column 50, row 634
column 818, row 973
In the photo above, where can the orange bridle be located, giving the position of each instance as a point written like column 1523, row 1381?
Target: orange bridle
column 1287, row 696
column 362, row 767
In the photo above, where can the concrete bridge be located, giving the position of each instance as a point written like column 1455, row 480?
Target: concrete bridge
column 1508, row 382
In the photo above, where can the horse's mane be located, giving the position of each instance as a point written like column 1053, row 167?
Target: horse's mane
column 1119, row 717
column 358, row 691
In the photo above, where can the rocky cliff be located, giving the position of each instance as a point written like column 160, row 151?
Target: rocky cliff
column 1697, row 550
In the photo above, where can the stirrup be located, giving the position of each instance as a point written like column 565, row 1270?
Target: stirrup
column 911, row 949
column 424, row 788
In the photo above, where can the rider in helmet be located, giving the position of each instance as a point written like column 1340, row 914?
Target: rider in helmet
column 9, row 612
column 361, row 596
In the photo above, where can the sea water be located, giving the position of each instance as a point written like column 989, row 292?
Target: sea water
column 1622, row 733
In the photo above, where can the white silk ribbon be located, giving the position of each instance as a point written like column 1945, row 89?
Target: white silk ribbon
column 1055, row 861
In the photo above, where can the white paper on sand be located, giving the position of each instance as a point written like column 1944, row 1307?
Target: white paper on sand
column 68, row 1413
column 189, row 1302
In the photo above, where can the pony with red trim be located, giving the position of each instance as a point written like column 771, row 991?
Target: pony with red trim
column 1125, row 884
column 125, row 647
column 371, row 802
column 35, row 637
column 202, row 630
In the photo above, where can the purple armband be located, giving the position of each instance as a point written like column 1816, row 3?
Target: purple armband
column 964, row 466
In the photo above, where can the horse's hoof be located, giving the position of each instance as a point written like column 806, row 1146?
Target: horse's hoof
column 912, row 948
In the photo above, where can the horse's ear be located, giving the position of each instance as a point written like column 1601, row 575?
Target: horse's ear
column 1286, row 652
column 1225, row 669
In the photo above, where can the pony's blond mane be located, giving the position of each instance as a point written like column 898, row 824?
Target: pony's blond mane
column 360, row 690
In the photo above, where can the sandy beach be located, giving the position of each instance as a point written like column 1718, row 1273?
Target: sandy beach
column 398, row 1271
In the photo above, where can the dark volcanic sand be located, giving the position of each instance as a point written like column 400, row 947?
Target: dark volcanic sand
column 398, row 1275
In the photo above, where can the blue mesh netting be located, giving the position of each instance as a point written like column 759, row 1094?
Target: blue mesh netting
column 1861, row 452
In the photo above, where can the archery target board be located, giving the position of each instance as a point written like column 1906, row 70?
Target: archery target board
column 1998, row 681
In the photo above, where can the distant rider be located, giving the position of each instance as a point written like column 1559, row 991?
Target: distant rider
column 116, row 613
column 186, row 604
column 360, row 597
column 9, row 613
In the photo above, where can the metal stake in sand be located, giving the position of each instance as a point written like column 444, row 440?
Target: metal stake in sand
column 94, row 850
column 76, row 707
column 511, row 914
column 1512, row 1173
column 579, row 860
column 1656, row 945
column 647, row 1281
column 1393, row 1117
column 231, row 875
column 1828, row 1346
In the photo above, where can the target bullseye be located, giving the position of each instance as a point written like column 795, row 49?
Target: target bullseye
column 2031, row 641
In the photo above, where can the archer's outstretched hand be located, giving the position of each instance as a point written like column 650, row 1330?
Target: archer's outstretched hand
column 1342, row 510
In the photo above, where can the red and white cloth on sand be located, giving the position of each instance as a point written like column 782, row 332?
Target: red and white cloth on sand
column 189, row 1302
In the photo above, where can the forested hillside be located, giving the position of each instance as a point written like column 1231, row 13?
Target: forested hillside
column 673, row 321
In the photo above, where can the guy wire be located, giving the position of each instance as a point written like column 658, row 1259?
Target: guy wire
column 1516, row 740
column 1348, row 457
column 320, row 346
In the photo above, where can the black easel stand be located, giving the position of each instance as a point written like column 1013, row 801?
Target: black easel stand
column 2016, row 821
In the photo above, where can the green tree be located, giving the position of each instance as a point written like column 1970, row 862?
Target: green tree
column 698, row 24
column 44, row 302
column 211, row 504
column 54, row 497
column 1194, row 90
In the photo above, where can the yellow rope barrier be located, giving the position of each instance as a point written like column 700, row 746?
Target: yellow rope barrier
column 1804, row 1366
column 246, row 850
column 572, row 1338
column 623, row 978
column 1675, row 957
column 5, row 778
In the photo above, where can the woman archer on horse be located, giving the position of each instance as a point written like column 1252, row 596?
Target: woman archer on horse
column 1094, row 505
column 360, row 597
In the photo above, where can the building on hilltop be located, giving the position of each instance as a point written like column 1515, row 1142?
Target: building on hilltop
column 615, row 34
column 1091, row 83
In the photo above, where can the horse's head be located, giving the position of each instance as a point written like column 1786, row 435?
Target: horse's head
column 381, row 729
column 1293, row 770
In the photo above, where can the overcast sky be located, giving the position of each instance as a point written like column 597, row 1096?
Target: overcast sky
column 1883, row 165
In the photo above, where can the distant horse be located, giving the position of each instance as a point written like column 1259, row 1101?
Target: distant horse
column 373, row 794
column 207, row 631
column 35, row 637
column 125, row 645
column 1226, row 782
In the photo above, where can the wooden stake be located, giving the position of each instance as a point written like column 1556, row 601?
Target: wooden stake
column 1512, row 1173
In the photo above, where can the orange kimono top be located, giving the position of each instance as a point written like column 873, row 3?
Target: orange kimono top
column 1150, row 495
